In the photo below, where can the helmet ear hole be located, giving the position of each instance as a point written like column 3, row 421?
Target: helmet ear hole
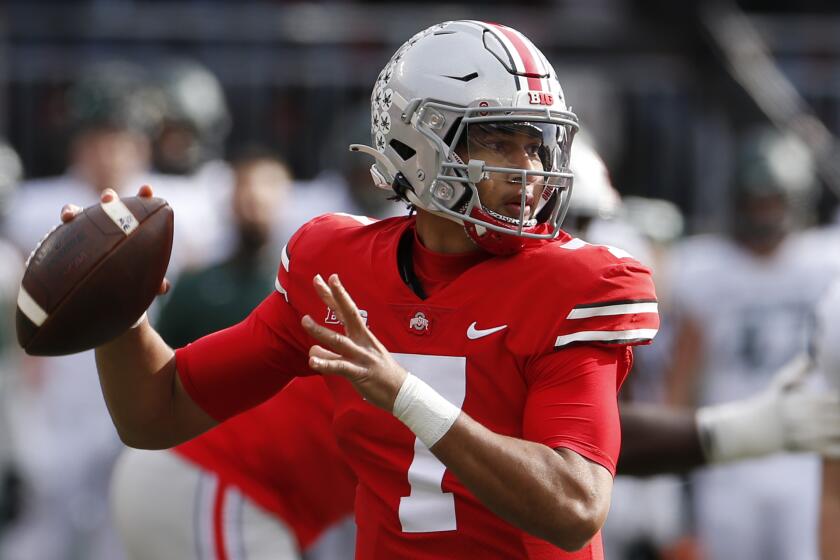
column 405, row 151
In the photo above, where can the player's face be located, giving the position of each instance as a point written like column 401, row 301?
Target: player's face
column 261, row 188
column 513, row 147
column 108, row 156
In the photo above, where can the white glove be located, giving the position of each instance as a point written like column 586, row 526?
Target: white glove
column 786, row 416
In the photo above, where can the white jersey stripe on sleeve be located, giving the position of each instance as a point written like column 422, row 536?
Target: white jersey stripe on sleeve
column 284, row 258
column 615, row 309
column 279, row 287
column 364, row 220
column 614, row 337
column 574, row 244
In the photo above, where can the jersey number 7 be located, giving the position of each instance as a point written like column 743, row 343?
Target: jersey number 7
column 428, row 508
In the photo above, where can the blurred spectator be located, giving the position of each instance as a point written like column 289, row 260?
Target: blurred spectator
column 65, row 444
column 344, row 184
column 195, row 119
column 113, row 109
column 744, row 305
column 281, row 487
column 190, row 142
column 595, row 209
column 11, row 271
column 210, row 299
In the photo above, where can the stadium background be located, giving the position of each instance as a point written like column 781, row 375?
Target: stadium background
column 650, row 80
column 645, row 77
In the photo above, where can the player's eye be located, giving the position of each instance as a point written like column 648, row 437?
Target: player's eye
column 533, row 150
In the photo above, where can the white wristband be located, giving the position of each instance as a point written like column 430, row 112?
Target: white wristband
column 424, row 410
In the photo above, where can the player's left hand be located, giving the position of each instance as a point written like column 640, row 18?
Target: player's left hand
column 356, row 355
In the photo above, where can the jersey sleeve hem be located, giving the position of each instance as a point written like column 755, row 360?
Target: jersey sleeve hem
column 587, row 451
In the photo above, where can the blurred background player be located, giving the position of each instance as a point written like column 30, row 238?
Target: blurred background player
column 343, row 182
column 827, row 360
column 647, row 517
column 65, row 446
column 596, row 212
column 208, row 299
column 267, row 484
column 744, row 304
column 11, row 271
column 189, row 144
column 196, row 121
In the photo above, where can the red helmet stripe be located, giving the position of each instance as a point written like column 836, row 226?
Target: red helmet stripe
column 532, row 71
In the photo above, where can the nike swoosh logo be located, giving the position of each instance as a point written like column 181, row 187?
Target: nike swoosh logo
column 474, row 333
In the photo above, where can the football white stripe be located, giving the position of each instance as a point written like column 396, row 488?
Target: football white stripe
column 605, row 336
column 120, row 215
column 30, row 308
column 619, row 309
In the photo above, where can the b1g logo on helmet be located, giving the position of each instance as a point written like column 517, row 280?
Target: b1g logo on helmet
column 540, row 98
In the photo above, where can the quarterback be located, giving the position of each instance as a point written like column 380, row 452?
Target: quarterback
column 473, row 349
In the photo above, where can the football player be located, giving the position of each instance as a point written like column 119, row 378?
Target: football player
column 827, row 359
column 253, row 485
column 475, row 366
column 265, row 484
column 745, row 303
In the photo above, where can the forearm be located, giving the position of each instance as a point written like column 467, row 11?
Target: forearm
column 658, row 440
column 139, row 382
column 554, row 495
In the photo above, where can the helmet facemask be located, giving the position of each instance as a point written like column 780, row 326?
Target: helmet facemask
column 494, row 146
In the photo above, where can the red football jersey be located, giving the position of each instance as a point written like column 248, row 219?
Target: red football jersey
column 279, row 454
column 534, row 346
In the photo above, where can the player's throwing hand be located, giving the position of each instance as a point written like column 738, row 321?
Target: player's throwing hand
column 356, row 355
column 70, row 211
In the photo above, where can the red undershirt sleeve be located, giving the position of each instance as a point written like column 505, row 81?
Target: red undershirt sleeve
column 235, row 369
column 572, row 401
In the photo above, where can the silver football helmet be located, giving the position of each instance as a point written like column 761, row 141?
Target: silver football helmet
column 448, row 89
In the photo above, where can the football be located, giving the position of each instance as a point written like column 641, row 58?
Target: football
column 90, row 279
